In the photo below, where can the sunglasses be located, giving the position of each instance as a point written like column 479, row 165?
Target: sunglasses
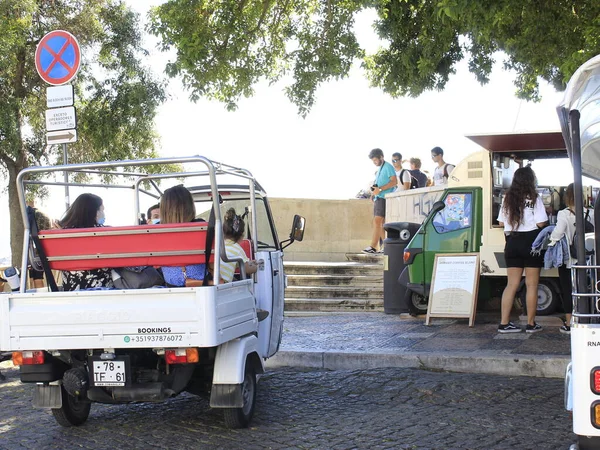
column 395, row 160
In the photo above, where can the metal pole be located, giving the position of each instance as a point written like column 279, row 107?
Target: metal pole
column 66, row 175
column 582, row 306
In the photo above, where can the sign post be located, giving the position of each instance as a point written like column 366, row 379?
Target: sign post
column 57, row 60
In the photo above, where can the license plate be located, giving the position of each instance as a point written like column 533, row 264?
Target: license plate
column 109, row 373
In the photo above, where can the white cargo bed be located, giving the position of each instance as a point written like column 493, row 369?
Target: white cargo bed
column 144, row 318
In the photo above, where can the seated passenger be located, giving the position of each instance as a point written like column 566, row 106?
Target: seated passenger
column 87, row 211
column 233, row 231
column 153, row 216
column 177, row 206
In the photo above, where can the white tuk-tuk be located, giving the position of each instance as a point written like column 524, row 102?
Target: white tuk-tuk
column 579, row 114
column 148, row 345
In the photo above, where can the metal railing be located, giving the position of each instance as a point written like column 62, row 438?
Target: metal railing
column 586, row 292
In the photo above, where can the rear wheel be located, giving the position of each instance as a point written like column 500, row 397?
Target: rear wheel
column 417, row 304
column 548, row 298
column 240, row 417
column 73, row 412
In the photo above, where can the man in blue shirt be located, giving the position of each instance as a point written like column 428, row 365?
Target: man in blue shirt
column 385, row 182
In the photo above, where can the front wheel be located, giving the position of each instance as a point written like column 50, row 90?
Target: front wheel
column 588, row 442
column 73, row 412
column 417, row 304
column 240, row 417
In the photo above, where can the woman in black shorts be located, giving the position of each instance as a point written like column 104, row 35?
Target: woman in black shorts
column 523, row 215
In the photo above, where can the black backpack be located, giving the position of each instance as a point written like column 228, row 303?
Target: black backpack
column 414, row 183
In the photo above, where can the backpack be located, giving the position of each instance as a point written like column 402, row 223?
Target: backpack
column 446, row 176
column 414, row 183
column 588, row 228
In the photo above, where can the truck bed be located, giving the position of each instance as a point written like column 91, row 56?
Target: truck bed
column 142, row 318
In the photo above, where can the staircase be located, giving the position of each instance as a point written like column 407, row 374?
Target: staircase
column 356, row 285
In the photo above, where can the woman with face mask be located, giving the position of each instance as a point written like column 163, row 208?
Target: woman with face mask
column 87, row 211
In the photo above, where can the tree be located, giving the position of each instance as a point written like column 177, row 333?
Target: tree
column 224, row 47
column 116, row 96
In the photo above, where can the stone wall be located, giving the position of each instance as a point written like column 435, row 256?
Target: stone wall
column 333, row 227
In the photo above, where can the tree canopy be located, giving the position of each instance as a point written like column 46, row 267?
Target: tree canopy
column 224, row 47
column 116, row 96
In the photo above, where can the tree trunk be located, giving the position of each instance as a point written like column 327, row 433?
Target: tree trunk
column 16, row 221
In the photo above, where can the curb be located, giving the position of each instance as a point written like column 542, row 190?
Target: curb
column 508, row 365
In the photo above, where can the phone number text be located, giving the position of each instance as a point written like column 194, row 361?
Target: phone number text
column 158, row 338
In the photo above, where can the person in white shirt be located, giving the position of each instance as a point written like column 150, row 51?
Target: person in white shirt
column 233, row 231
column 443, row 169
column 402, row 174
column 565, row 226
column 522, row 215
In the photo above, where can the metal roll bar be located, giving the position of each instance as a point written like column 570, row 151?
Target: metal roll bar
column 213, row 168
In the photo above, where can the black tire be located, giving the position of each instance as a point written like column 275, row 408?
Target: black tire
column 588, row 442
column 548, row 298
column 240, row 417
column 417, row 304
column 74, row 412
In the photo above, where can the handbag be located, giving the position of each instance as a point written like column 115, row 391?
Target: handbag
column 140, row 277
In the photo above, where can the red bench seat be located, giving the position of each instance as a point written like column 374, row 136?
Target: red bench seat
column 142, row 245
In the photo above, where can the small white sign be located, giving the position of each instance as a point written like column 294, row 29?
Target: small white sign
column 60, row 119
column 61, row 137
column 454, row 286
column 57, row 96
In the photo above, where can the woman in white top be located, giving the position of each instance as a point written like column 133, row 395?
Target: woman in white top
column 233, row 231
column 523, row 215
column 565, row 226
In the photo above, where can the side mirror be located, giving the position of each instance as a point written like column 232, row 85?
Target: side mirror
column 437, row 207
column 297, row 233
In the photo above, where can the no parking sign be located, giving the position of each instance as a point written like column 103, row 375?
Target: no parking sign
column 57, row 57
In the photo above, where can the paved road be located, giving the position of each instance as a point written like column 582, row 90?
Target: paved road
column 366, row 409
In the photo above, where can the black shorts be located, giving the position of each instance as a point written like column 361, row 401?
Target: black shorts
column 517, row 251
column 379, row 207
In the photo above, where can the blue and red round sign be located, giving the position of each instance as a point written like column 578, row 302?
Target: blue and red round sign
column 57, row 57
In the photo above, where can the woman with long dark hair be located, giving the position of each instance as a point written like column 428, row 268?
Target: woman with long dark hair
column 87, row 211
column 565, row 226
column 177, row 206
column 233, row 232
column 523, row 215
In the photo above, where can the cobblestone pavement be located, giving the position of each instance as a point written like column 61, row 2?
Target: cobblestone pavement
column 368, row 409
column 385, row 333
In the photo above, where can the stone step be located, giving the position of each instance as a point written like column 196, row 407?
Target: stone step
column 365, row 258
column 331, row 305
column 329, row 292
column 332, row 268
column 364, row 281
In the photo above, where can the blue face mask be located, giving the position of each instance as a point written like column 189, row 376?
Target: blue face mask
column 101, row 220
column 155, row 221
